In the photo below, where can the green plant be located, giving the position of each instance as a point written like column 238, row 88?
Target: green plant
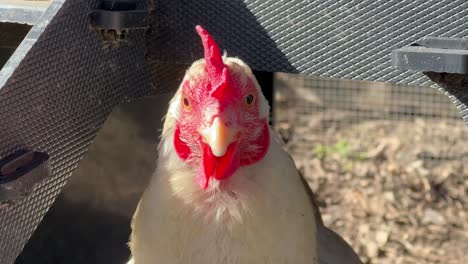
column 342, row 148
column 321, row 151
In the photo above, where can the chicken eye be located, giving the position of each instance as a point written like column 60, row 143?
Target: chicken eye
column 249, row 99
column 186, row 102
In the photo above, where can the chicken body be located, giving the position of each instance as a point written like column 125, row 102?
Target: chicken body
column 260, row 215
column 246, row 205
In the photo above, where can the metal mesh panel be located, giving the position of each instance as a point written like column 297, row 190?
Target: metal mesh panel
column 341, row 39
column 364, row 100
column 55, row 101
column 387, row 162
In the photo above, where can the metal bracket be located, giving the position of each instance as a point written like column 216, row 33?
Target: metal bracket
column 114, row 18
column 20, row 173
column 444, row 61
column 433, row 54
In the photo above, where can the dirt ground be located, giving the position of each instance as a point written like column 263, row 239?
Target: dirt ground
column 396, row 190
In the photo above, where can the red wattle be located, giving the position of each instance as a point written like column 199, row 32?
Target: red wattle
column 182, row 150
column 228, row 163
column 218, row 167
column 209, row 165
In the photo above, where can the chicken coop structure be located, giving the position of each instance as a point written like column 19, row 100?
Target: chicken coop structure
column 355, row 83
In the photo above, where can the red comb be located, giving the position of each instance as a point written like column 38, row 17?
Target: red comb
column 215, row 67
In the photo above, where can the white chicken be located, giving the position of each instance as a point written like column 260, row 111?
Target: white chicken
column 224, row 190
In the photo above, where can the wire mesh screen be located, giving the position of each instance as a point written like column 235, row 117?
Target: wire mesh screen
column 388, row 164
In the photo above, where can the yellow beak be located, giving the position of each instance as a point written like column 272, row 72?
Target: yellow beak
column 218, row 136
